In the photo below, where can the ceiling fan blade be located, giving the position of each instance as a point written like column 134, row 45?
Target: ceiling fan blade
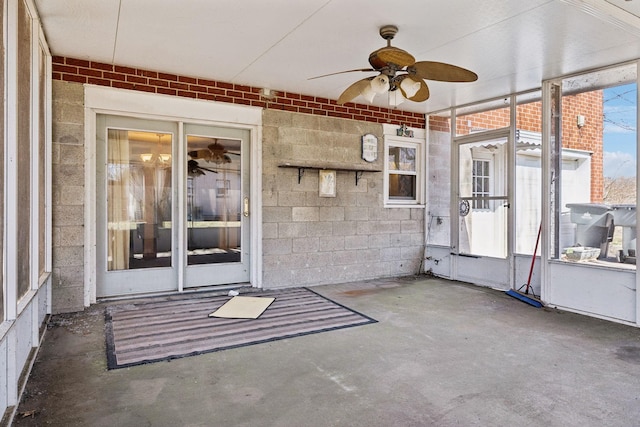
column 391, row 54
column 439, row 71
column 353, row 91
column 341, row 72
column 199, row 154
column 422, row 94
column 207, row 169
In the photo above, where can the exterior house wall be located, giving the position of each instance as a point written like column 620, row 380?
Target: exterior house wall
column 307, row 240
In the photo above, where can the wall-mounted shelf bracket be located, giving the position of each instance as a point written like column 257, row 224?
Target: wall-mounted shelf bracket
column 302, row 166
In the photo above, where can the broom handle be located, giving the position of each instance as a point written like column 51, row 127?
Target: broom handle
column 533, row 260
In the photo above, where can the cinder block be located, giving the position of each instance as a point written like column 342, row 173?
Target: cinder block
column 305, row 214
column 399, row 214
column 319, row 259
column 290, row 198
column 71, row 154
column 67, row 91
column 67, row 215
column 331, row 243
column 68, row 236
column 71, row 195
column 412, row 253
column 276, row 246
column 345, row 228
column 67, row 299
column 270, row 230
column 379, row 241
column 353, row 213
column 69, row 175
column 292, row 229
column 67, row 133
column 411, row 226
column 276, row 118
column 335, row 213
column 276, row 214
column 356, row 242
column 68, row 277
column 321, row 228
column 68, row 256
column 307, row 244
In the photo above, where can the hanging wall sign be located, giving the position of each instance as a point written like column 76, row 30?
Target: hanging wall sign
column 369, row 147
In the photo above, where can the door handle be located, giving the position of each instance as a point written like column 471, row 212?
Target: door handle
column 245, row 210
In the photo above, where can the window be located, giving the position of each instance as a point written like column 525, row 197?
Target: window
column 402, row 172
column 596, row 151
column 480, row 181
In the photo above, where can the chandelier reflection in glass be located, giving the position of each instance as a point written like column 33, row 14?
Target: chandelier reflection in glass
column 156, row 158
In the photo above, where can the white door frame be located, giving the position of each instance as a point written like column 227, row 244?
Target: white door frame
column 106, row 100
column 469, row 262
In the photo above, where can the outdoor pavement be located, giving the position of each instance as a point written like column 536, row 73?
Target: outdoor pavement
column 442, row 354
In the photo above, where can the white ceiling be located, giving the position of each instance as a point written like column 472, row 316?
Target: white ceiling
column 279, row 44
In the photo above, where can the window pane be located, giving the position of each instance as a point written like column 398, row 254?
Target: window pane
column 595, row 219
column 482, row 117
column 402, row 187
column 528, row 173
column 42, row 144
column 24, row 153
column 139, row 199
column 214, row 201
column 402, row 158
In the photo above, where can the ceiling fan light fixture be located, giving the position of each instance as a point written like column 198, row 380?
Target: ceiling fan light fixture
column 380, row 83
column 409, row 87
column 368, row 93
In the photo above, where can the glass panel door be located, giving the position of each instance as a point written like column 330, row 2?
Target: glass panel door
column 163, row 225
column 135, row 206
column 217, row 203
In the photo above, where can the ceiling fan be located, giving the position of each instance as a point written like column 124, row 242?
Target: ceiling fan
column 215, row 152
column 194, row 169
column 398, row 71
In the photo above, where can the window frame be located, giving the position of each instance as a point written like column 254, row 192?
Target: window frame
column 418, row 143
column 482, row 204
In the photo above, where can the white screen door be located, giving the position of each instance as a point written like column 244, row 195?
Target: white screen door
column 483, row 210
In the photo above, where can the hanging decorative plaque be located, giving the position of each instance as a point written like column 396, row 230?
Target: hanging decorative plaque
column 369, row 147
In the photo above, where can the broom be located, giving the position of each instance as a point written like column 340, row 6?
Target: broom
column 523, row 296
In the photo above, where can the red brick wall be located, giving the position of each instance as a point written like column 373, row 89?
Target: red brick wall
column 589, row 137
column 82, row 71
column 529, row 117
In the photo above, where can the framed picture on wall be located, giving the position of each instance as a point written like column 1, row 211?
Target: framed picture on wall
column 327, row 180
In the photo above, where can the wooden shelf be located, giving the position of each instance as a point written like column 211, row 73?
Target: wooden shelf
column 358, row 170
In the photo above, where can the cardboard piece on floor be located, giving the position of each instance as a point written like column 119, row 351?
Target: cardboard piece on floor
column 243, row 307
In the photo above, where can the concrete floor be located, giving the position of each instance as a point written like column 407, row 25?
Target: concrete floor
column 442, row 354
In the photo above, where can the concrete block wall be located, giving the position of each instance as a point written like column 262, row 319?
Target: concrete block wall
column 439, row 195
column 311, row 240
column 307, row 126
column 68, row 196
